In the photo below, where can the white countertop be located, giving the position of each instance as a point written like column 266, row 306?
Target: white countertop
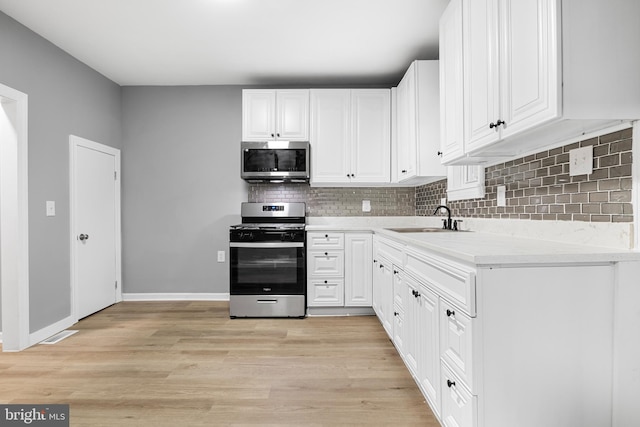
column 483, row 248
column 491, row 249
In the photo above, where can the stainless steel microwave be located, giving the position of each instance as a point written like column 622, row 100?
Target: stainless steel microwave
column 275, row 161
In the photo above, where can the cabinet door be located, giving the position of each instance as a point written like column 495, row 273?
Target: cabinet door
column 330, row 135
column 459, row 406
column 386, row 295
column 376, row 299
column 371, row 135
column 406, row 167
column 456, row 342
column 465, row 182
column 429, row 349
column 481, row 78
column 258, row 115
column 529, row 69
column 412, row 326
column 398, row 331
column 451, row 89
column 358, row 274
column 292, row 115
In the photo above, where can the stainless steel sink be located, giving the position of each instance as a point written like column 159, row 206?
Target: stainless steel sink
column 418, row 230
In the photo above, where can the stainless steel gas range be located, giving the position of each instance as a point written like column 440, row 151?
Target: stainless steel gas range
column 267, row 261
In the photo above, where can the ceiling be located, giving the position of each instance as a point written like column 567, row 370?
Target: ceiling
column 244, row 42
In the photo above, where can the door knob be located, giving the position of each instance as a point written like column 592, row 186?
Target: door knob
column 83, row 237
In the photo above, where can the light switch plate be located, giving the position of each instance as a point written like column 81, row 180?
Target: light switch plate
column 581, row 161
column 366, row 206
column 51, row 208
column 221, row 256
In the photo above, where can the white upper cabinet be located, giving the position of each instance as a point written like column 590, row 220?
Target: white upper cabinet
column 463, row 182
column 451, row 93
column 350, row 136
column 511, row 77
column 418, row 125
column 535, row 74
column 275, row 114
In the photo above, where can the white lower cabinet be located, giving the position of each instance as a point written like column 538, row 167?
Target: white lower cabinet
column 339, row 269
column 459, row 406
column 428, row 355
column 383, row 293
column 487, row 343
column 456, row 341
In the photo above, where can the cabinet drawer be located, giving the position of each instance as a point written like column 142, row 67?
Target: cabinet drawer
column 327, row 263
column 459, row 406
column 452, row 280
column 456, row 341
column 325, row 292
column 318, row 240
column 390, row 250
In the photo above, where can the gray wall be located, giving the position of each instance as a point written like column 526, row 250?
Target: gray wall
column 181, row 186
column 65, row 97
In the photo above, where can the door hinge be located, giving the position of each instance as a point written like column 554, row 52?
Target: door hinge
column 115, row 175
column 116, row 284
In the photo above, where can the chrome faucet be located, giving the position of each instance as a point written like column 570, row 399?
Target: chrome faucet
column 446, row 223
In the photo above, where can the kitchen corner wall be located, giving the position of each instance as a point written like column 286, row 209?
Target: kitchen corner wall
column 182, row 188
column 538, row 187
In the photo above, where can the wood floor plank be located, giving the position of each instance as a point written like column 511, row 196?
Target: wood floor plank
column 188, row 364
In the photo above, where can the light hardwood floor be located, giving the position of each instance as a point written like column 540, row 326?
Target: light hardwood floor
column 187, row 364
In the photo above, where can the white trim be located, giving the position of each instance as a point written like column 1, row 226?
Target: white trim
column 52, row 329
column 635, row 194
column 14, row 229
column 74, row 142
column 175, row 297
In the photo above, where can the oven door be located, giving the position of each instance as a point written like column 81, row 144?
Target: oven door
column 267, row 268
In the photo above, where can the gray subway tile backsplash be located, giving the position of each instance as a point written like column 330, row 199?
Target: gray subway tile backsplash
column 538, row 187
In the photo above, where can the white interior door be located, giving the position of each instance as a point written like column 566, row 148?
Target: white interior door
column 95, row 205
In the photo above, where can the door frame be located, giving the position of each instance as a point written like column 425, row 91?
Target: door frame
column 75, row 142
column 14, row 229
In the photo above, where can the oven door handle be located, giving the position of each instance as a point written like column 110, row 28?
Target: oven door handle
column 266, row 245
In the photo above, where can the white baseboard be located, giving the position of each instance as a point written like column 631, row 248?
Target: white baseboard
column 174, row 297
column 47, row 331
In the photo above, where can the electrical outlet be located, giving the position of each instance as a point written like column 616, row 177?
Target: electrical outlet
column 366, row 206
column 502, row 195
column 581, row 161
column 221, row 256
column 51, row 208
